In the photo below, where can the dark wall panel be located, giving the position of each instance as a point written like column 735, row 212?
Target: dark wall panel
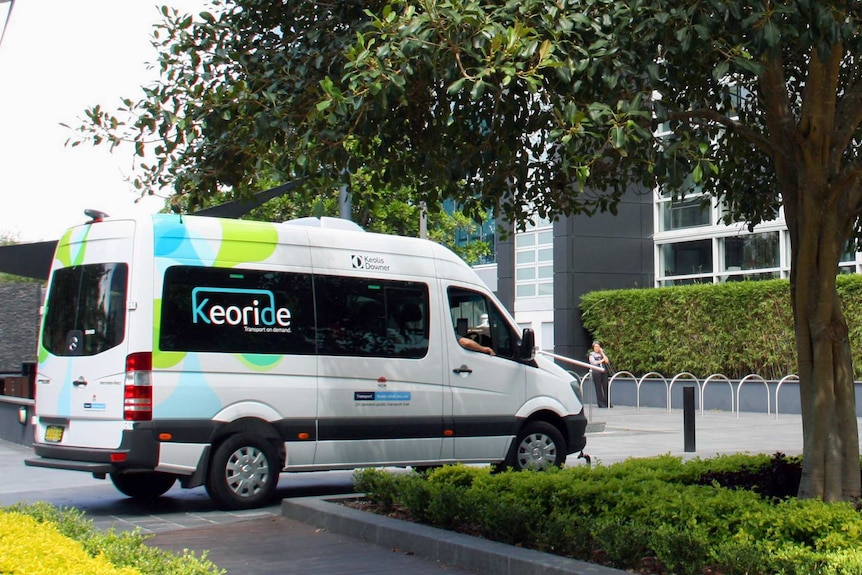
column 605, row 251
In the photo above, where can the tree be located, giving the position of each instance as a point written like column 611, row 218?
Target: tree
column 386, row 211
column 761, row 102
column 536, row 107
column 218, row 126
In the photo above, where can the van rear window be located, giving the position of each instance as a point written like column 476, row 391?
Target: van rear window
column 85, row 312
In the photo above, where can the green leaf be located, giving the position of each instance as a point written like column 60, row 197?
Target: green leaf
column 455, row 86
column 720, row 71
column 618, row 137
column 771, row 33
column 478, row 90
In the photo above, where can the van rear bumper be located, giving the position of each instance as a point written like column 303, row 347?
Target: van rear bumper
column 576, row 427
column 137, row 451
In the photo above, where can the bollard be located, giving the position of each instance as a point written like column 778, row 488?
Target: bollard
column 688, row 419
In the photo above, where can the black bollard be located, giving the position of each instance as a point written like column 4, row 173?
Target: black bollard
column 688, row 419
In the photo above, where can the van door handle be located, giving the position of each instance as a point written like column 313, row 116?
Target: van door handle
column 462, row 369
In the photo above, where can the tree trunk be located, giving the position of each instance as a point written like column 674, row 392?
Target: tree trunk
column 830, row 466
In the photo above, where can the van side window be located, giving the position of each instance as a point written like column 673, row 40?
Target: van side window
column 249, row 311
column 371, row 317
column 477, row 318
column 236, row 311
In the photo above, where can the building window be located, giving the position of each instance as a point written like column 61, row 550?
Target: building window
column 692, row 258
column 534, row 257
column 682, row 214
column 742, row 254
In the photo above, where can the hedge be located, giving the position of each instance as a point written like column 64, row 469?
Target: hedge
column 655, row 515
column 734, row 328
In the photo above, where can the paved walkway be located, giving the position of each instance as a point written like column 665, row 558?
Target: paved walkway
column 309, row 535
column 629, row 432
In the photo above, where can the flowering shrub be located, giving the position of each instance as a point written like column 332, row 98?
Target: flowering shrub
column 41, row 539
column 33, row 548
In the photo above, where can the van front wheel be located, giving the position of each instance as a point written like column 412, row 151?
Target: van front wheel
column 143, row 485
column 539, row 446
column 243, row 473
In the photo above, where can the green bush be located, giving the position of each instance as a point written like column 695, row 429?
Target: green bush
column 674, row 516
column 735, row 328
column 125, row 551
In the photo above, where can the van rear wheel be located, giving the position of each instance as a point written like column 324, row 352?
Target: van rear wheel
column 143, row 485
column 539, row 446
column 243, row 473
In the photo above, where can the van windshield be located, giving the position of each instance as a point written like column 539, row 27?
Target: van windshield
column 85, row 309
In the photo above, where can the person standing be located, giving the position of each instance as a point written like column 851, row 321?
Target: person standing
column 600, row 378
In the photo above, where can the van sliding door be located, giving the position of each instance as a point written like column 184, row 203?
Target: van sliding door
column 381, row 392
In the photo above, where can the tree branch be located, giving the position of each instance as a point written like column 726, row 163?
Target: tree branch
column 745, row 132
column 777, row 108
column 850, row 179
column 848, row 116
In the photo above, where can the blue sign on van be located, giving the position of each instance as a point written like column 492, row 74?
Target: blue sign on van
column 381, row 396
column 392, row 396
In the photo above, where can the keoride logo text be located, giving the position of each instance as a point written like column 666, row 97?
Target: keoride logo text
column 253, row 309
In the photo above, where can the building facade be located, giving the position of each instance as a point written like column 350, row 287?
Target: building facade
column 652, row 241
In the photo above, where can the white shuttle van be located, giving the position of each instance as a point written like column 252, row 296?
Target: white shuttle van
column 223, row 352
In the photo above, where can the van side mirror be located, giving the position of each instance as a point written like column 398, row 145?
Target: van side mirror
column 528, row 345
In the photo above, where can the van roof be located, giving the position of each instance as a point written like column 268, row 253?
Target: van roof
column 326, row 222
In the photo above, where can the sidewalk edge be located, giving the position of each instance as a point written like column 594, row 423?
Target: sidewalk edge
column 436, row 544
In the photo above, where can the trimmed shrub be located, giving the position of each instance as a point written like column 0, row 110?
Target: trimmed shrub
column 735, row 328
column 653, row 515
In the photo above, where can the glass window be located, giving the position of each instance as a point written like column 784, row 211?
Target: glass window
column 687, row 258
column 525, row 240
column 849, row 254
column 525, row 257
column 686, row 281
column 372, row 318
column 248, row 311
column 526, row 274
column 476, row 317
column 525, row 290
column 751, row 252
column 85, row 312
column 546, row 289
column 681, row 214
column 236, row 311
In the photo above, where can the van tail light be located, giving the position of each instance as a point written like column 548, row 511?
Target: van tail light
column 138, row 388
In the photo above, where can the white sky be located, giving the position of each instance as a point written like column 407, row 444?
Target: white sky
column 58, row 58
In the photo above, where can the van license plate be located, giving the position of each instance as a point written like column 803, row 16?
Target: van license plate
column 54, row 433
